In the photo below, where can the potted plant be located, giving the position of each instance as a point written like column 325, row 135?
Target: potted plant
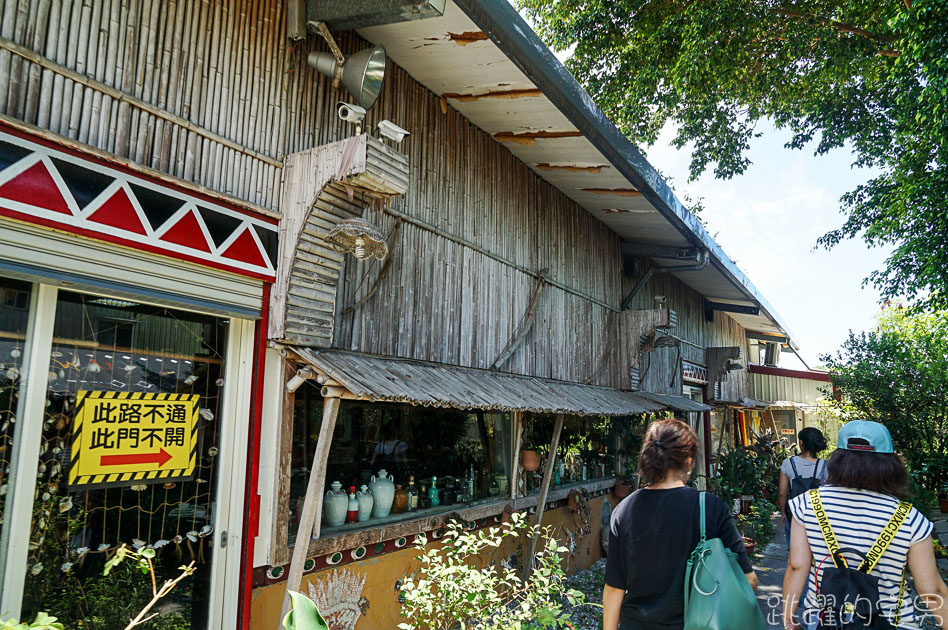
column 943, row 498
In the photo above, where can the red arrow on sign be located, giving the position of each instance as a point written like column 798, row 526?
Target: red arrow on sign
column 161, row 458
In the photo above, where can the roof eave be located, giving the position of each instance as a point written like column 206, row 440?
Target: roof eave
column 507, row 29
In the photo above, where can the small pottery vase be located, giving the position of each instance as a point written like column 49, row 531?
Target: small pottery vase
column 400, row 503
column 623, row 489
column 383, row 490
column 365, row 503
column 335, row 505
column 529, row 460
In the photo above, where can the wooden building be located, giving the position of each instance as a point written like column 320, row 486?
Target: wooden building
column 799, row 399
column 171, row 176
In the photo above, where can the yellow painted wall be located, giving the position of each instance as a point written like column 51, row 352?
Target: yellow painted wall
column 381, row 572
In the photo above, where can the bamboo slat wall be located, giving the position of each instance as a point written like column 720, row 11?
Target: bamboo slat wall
column 446, row 301
column 449, row 302
column 199, row 90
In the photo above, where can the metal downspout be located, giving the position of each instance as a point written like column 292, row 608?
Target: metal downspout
column 652, row 271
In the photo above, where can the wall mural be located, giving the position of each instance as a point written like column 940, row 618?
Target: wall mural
column 339, row 599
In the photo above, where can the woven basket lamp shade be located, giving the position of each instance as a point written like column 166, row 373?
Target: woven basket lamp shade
column 358, row 237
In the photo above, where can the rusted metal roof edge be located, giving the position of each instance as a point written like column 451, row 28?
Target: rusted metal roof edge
column 388, row 379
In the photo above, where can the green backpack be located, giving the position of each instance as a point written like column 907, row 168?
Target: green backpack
column 717, row 594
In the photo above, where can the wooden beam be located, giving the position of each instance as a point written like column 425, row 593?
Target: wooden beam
column 313, row 505
column 544, row 490
column 281, row 532
column 514, row 481
column 741, row 309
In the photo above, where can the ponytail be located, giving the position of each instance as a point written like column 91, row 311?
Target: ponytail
column 668, row 445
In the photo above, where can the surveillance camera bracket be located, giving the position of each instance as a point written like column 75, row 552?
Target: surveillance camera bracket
column 336, row 52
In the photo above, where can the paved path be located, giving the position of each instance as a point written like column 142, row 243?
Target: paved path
column 770, row 569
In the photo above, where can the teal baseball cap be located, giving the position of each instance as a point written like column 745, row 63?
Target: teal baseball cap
column 876, row 435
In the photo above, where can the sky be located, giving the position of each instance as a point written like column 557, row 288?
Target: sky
column 768, row 221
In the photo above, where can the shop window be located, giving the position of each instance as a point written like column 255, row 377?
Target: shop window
column 586, row 451
column 133, row 355
column 465, row 455
column 14, row 315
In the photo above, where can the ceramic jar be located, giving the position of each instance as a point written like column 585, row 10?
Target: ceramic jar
column 529, row 460
column 365, row 503
column 383, row 491
column 400, row 504
column 335, row 505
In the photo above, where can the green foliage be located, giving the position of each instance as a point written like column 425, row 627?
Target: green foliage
column 304, row 615
column 758, row 523
column 42, row 622
column 871, row 76
column 743, row 472
column 455, row 588
column 898, row 375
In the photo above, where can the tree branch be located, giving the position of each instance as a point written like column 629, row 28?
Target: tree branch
column 839, row 26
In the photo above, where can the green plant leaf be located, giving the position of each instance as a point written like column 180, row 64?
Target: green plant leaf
column 304, row 615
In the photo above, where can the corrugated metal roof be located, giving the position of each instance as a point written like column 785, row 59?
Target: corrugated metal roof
column 386, row 379
column 676, row 403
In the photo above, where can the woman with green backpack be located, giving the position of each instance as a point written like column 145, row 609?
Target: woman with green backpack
column 854, row 540
column 659, row 546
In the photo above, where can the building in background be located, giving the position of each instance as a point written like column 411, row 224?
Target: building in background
column 799, row 400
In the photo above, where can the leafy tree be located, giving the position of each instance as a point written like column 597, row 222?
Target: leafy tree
column 870, row 75
column 897, row 374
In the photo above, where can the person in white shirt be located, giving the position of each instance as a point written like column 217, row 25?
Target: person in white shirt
column 806, row 465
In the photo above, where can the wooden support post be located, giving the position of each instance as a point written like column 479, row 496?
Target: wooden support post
column 544, row 489
column 515, row 456
column 313, row 505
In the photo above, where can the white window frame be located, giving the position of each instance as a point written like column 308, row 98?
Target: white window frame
column 232, row 457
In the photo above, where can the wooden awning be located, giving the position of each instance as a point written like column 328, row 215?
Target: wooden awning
column 384, row 379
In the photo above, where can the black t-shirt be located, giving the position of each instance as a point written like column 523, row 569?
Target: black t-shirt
column 652, row 534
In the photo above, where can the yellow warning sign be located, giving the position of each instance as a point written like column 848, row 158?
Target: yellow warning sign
column 123, row 437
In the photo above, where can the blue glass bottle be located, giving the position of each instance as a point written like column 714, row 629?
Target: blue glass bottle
column 433, row 493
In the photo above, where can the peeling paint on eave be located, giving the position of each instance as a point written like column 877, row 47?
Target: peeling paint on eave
column 620, row 192
column 526, row 93
column 594, row 168
column 527, row 138
column 468, row 37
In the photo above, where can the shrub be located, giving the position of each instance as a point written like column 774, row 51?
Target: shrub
column 455, row 588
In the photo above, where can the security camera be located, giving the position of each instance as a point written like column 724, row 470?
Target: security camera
column 393, row 132
column 349, row 112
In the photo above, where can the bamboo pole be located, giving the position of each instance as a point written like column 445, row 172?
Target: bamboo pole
column 313, row 504
column 128, row 100
column 544, row 489
column 35, row 76
column 515, row 458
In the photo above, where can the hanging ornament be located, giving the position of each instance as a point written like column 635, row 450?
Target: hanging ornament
column 358, row 237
